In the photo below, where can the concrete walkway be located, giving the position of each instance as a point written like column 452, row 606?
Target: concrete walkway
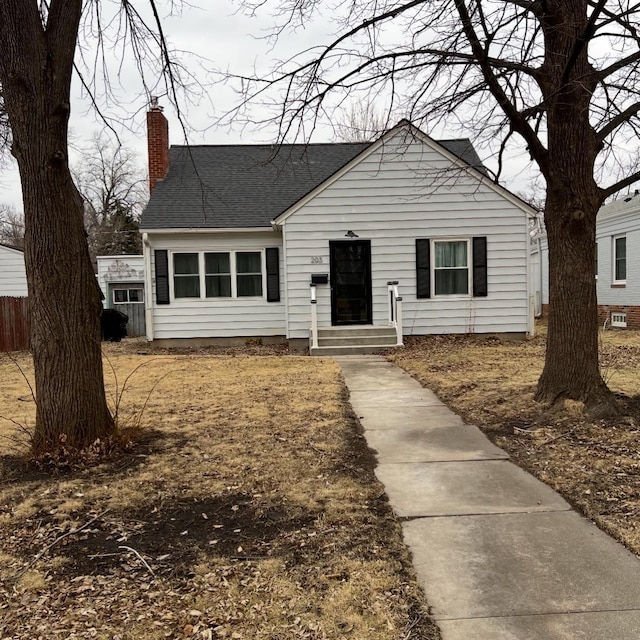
column 500, row 555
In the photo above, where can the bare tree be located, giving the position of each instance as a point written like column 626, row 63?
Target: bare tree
column 114, row 192
column 561, row 77
column 362, row 122
column 11, row 226
column 38, row 43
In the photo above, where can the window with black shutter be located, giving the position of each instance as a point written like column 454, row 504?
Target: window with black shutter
column 273, row 274
column 161, row 259
column 423, row 268
column 479, row 250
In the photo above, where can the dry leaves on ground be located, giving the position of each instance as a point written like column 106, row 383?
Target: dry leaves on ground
column 248, row 509
column 595, row 465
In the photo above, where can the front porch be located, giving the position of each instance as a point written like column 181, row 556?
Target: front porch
column 354, row 339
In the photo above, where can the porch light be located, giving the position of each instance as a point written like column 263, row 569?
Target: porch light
column 351, row 234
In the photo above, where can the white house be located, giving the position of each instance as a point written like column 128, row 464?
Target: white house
column 617, row 264
column 121, row 279
column 13, row 278
column 368, row 242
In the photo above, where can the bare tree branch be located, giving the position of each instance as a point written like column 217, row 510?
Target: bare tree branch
column 621, row 184
column 563, row 75
column 622, row 118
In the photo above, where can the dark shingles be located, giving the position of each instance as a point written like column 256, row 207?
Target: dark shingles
column 240, row 186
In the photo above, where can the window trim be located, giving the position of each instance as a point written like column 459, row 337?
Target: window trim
column 232, row 263
column 614, row 252
column 434, row 293
column 127, row 289
column 263, row 268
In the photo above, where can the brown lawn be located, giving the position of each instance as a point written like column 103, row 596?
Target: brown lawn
column 595, row 465
column 247, row 509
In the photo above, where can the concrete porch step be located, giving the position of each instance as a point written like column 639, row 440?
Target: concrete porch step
column 348, row 350
column 353, row 340
column 355, row 330
column 389, row 340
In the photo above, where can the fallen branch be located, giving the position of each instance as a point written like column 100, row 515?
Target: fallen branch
column 527, row 432
column 53, row 544
column 562, row 435
column 144, row 562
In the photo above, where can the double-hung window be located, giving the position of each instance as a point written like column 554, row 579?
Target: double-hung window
column 186, row 275
column 249, row 273
column 451, row 267
column 219, row 274
column 619, row 260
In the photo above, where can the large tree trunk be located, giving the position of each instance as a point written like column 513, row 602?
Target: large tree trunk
column 64, row 299
column 567, row 79
column 35, row 72
column 571, row 367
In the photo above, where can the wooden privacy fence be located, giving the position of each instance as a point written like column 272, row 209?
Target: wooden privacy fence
column 14, row 324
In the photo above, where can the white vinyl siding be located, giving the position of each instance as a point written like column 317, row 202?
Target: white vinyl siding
column 609, row 227
column 13, row 278
column 391, row 198
column 217, row 317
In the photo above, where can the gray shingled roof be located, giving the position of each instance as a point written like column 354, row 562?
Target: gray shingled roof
column 236, row 186
column 624, row 204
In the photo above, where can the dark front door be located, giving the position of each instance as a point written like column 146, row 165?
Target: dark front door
column 351, row 282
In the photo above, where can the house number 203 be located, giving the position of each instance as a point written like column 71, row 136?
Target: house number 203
column 316, row 259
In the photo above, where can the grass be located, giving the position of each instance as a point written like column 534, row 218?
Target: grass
column 595, row 465
column 248, row 509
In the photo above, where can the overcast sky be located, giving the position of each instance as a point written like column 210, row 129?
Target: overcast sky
column 220, row 37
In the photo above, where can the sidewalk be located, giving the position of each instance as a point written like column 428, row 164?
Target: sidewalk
column 500, row 555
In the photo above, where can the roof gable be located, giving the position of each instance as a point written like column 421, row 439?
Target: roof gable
column 248, row 186
column 459, row 152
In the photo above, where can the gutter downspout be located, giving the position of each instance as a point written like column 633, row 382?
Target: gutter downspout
column 148, row 293
column 285, row 275
column 541, row 274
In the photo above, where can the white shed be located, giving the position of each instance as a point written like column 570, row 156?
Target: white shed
column 121, row 280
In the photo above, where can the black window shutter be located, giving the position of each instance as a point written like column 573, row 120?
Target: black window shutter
column 273, row 274
column 162, row 276
column 480, row 266
column 423, row 268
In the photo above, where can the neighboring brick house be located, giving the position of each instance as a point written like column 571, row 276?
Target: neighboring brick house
column 617, row 266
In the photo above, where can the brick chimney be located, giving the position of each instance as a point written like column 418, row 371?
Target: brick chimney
column 158, row 143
